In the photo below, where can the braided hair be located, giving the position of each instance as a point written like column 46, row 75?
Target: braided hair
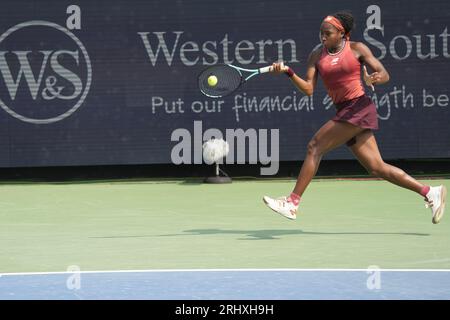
column 347, row 20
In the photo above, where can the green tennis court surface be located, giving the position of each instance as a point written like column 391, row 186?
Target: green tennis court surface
column 188, row 225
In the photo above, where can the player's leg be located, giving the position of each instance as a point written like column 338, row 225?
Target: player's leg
column 329, row 136
column 366, row 151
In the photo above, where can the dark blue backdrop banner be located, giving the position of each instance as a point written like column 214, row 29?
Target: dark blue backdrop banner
column 115, row 82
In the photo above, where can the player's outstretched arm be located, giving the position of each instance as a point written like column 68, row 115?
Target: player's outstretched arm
column 307, row 84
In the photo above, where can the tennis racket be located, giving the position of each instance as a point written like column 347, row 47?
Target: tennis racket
column 222, row 79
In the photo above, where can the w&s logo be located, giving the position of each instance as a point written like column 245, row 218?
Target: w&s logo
column 45, row 72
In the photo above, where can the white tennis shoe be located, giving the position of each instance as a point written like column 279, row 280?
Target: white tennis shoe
column 435, row 199
column 282, row 206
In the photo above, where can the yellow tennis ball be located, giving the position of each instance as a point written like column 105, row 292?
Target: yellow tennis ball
column 212, row 81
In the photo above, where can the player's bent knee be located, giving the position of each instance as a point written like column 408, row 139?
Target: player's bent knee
column 313, row 148
column 379, row 170
column 375, row 173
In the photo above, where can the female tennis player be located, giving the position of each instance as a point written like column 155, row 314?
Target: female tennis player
column 338, row 61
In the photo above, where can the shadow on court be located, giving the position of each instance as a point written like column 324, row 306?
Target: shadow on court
column 190, row 182
column 276, row 234
column 263, row 234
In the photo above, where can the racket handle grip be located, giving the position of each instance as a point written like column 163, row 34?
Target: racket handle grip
column 265, row 69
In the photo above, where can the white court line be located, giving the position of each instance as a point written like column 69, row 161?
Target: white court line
column 225, row 270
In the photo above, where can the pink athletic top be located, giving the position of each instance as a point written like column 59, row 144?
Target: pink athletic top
column 341, row 74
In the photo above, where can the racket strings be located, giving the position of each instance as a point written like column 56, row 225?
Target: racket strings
column 228, row 80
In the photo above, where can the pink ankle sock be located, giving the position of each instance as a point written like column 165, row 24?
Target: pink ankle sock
column 294, row 198
column 424, row 191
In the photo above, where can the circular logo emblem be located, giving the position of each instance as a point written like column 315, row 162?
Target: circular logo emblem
column 45, row 72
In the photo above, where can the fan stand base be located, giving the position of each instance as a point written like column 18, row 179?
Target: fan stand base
column 217, row 179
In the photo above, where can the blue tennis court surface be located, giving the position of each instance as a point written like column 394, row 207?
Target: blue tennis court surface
column 290, row 284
